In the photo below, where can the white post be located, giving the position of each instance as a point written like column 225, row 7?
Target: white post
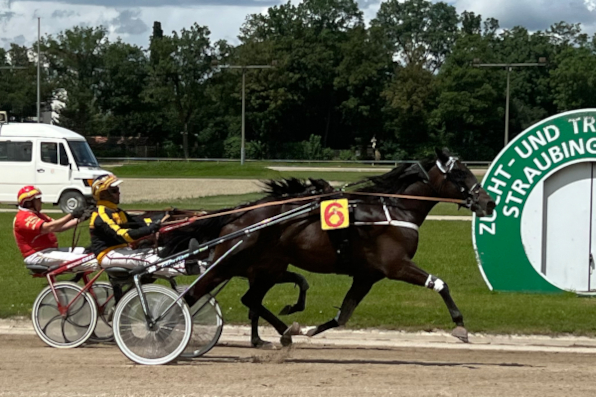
column 507, row 109
column 38, row 70
column 243, row 115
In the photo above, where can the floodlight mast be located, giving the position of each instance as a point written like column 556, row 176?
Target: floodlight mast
column 508, row 67
column 244, row 68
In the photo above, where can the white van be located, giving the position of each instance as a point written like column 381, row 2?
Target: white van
column 56, row 160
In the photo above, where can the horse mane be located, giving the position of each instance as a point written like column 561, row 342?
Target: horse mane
column 398, row 179
column 289, row 187
column 209, row 228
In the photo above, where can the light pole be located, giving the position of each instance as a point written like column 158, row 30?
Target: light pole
column 244, row 69
column 38, row 71
column 508, row 67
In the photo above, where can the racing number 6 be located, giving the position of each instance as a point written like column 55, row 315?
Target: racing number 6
column 330, row 211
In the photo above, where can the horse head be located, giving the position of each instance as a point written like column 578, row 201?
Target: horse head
column 452, row 179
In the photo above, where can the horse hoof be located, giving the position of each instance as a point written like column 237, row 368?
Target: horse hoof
column 461, row 333
column 266, row 346
column 261, row 344
column 286, row 338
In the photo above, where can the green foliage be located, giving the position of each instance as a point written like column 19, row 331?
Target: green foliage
column 407, row 80
column 257, row 150
column 232, row 146
column 313, row 148
column 574, row 81
column 171, row 149
column 347, row 155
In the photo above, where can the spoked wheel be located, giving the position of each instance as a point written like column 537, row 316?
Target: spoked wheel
column 160, row 343
column 104, row 298
column 72, row 327
column 207, row 325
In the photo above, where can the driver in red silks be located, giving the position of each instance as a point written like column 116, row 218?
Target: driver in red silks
column 34, row 231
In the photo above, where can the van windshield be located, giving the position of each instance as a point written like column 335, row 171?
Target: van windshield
column 83, row 154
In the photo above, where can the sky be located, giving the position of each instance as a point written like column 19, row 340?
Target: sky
column 132, row 20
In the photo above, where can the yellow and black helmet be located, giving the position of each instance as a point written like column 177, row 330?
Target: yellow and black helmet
column 103, row 183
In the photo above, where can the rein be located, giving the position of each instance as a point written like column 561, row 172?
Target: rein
column 298, row 199
column 405, row 196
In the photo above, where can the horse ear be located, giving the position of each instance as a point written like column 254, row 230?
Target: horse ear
column 443, row 154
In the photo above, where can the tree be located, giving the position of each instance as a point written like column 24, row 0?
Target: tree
column 75, row 62
column 418, row 32
column 300, row 97
column 361, row 76
column 574, row 80
column 469, row 106
column 18, row 91
column 119, row 95
column 181, row 67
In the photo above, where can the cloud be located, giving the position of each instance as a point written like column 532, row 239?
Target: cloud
column 64, row 14
column 128, row 22
column 165, row 3
column 533, row 14
column 19, row 40
column 6, row 16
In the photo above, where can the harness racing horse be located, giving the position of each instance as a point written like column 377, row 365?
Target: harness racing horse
column 380, row 242
column 182, row 216
column 280, row 190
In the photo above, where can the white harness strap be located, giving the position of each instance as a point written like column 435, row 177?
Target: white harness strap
column 448, row 166
column 389, row 222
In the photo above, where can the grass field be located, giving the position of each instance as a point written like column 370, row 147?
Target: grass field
column 229, row 170
column 445, row 251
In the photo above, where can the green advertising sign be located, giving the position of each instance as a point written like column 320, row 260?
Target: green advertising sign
column 540, row 237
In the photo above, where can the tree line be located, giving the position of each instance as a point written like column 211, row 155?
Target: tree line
column 408, row 80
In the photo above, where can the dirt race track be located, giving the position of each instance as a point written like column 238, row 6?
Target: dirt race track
column 29, row 368
column 355, row 364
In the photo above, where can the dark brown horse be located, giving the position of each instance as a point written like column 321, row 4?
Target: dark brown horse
column 275, row 190
column 182, row 216
column 380, row 242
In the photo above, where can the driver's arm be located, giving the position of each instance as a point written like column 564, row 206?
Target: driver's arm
column 121, row 233
column 58, row 225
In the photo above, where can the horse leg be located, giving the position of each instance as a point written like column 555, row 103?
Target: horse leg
column 414, row 275
column 255, row 339
column 288, row 277
column 358, row 290
column 300, row 281
column 253, row 300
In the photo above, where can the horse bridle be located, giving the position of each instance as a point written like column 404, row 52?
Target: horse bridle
column 472, row 194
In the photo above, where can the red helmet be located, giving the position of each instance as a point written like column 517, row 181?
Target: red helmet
column 28, row 193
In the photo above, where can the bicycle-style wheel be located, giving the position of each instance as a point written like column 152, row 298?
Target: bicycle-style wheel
column 74, row 325
column 207, row 325
column 103, row 293
column 160, row 343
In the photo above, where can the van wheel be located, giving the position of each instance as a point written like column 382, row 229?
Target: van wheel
column 70, row 201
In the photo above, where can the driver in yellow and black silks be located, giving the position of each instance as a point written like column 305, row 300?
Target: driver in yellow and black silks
column 112, row 230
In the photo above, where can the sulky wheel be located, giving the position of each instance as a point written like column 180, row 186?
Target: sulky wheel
column 160, row 343
column 207, row 325
column 103, row 293
column 68, row 321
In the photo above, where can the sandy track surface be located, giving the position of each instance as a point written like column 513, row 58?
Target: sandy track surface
column 336, row 363
column 163, row 189
column 30, row 368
